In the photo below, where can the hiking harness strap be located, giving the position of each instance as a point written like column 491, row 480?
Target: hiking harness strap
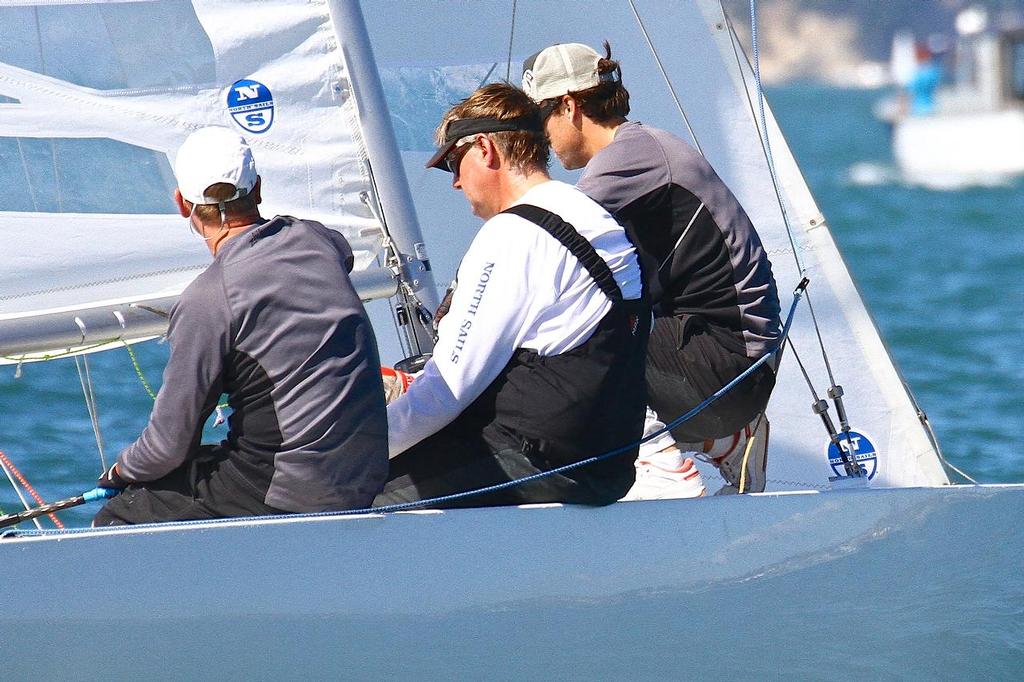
column 577, row 245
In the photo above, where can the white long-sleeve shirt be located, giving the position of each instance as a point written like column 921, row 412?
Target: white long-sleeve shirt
column 518, row 288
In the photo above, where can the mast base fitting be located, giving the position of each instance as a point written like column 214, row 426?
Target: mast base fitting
column 413, row 364
column 848, row 482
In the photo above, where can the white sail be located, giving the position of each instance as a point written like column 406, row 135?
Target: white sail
column 90, row 125
column 591, row 583
column 433, row 55
column 94, row 99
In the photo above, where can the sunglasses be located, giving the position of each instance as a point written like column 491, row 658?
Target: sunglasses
column 454, row 158
column 547, row 107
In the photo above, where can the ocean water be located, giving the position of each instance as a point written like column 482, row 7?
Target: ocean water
column 941, row 272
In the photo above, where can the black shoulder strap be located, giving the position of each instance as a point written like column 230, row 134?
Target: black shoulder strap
column 572, row 240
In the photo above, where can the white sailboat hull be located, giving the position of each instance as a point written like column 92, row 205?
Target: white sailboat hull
column 957, row 149
column 858, row 583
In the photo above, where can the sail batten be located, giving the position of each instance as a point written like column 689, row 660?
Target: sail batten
column 42, row 334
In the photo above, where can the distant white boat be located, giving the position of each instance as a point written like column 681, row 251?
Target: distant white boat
column 803, row 579
column 975, row 134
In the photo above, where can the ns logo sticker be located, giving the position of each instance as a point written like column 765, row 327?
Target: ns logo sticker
column 251, row 105
column 862, row 450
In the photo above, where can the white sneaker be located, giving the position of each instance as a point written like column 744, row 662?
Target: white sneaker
column 728, row 454
column 655, row 482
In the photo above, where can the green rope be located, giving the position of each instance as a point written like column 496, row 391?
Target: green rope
column 142, row 377
column 53, row 356
column 138, row 369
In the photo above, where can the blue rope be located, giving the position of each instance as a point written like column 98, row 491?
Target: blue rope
column 433, row 501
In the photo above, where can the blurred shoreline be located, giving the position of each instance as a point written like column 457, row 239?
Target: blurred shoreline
column 846, row 43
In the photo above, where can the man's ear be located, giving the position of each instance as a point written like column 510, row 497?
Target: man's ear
column 180, row 203
column 492, row 157
column 256, row 196
column 572, row 110
column 569, row 105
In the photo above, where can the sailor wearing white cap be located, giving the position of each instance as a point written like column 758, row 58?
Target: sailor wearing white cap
column 275, row 323
column 709, row 278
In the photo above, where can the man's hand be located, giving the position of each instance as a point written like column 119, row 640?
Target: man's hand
column 112, row 479
column 396, row 382
column 446, row 304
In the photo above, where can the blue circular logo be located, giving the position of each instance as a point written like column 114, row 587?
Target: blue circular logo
column 251, row 105
column 860, row 448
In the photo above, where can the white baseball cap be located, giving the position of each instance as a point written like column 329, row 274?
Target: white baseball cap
column 212, row 155
column 561, row 69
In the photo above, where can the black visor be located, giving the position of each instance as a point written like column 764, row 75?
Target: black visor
column 462, row 127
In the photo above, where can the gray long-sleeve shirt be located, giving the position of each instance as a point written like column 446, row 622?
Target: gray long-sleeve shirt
column 275, row 323
column 698, row 249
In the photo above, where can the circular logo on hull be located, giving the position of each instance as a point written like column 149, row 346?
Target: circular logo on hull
column 862, row 450
column 251, row 105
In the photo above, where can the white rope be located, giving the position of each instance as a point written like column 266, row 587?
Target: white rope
column 85, row 379
column 17, row 491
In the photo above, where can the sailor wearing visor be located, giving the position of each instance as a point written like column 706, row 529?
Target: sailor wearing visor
column 540, row 358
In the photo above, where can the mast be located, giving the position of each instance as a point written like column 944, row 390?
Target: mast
column 417, row 292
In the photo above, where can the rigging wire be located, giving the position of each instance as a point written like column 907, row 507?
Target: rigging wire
column 85, row 379
column 21, row 497
column 483, row 81
column 664, row 74
column 53, row 149
column 821, row 342
column 8, row 467
column 28, row 178
column 511, row 34
column 934, row 439
column 835, row 391
column 56, row 176
column 407, row 340
column 935, row 443
column 391, row 312
column 820, row 408
column 762, row 122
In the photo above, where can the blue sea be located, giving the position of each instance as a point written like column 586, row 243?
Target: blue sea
column 941, row 271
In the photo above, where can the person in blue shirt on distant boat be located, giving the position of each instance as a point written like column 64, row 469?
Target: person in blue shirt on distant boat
column 924, row 83
column 539, row 360
column 705, row 269
column 275, row 323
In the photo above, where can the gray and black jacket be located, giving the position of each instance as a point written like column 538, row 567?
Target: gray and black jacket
column 275, row 323
column 699, row 252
